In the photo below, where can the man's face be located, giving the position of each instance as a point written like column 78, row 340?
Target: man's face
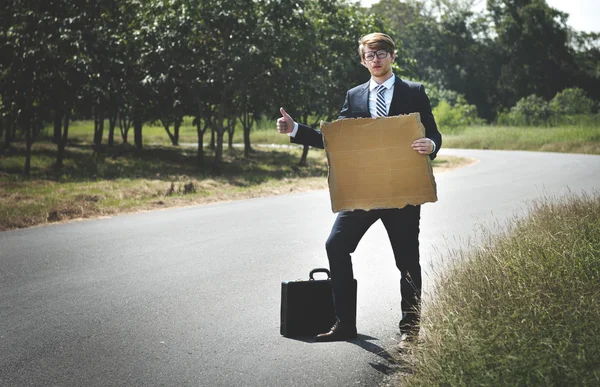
column 378, row 66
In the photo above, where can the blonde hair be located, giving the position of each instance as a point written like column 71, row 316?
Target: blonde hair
column 376, row 41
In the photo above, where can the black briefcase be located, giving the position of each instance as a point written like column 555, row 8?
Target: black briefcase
column 307, row 306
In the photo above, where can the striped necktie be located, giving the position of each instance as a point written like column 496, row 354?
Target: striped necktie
column 381, row 107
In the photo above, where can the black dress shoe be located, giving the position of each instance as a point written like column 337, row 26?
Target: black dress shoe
column 407, row 340
column 339, row 332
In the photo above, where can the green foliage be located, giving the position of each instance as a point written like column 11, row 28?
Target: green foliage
column 507, row 52
column 531, row 110
column 521, row 308
column 451, row 117
column 572, row 101
column 568, row 107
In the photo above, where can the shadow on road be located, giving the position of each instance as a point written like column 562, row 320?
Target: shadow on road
column 393, row 362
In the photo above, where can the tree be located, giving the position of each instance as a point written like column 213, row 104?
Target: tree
column 586, row 51
column 571, row 101
column 533, row 39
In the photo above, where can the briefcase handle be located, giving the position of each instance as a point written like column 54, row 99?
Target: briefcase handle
column 320, row 270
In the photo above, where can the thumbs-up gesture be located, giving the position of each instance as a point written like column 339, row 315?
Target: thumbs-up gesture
column 285, row 124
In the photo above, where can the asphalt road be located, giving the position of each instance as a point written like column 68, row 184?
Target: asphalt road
column 191, row 296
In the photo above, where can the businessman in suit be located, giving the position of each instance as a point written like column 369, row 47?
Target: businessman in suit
column 385, row 94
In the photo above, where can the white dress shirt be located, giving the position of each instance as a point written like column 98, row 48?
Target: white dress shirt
column 388, row 95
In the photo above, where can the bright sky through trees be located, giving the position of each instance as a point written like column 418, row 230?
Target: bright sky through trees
column 583, row 14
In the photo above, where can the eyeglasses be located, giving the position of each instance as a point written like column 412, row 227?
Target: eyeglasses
column 369, row 56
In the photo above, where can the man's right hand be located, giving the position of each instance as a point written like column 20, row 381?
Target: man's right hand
column 285, row 124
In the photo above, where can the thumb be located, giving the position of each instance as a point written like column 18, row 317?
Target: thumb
column 284, row 114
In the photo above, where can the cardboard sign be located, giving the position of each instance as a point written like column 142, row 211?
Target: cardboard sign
column 372, row 164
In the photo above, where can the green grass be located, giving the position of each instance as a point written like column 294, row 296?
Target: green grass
column 122, row 179
column 523, row 309
column 154, row 134
column 566, row 139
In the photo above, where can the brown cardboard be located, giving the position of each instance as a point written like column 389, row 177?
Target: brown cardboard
column 372, row 164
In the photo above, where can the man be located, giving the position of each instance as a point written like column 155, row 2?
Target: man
column 383, row 95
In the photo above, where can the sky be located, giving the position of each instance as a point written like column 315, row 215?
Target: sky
column 584, row 15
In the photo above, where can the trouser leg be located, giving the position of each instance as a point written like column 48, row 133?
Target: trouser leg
column 347, row 231
column 402, row 226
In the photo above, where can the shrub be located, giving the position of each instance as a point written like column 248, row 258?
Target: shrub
column 457, row 115
column 531, row 110
column 438, row 94
column 571, row 102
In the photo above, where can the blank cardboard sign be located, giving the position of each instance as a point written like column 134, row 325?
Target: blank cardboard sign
column 372, row 165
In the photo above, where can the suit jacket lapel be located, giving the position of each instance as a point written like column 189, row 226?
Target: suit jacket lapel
column 363, row 99
column 400, row 102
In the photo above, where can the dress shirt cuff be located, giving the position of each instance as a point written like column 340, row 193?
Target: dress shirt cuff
column 295, row 130
column 433, row 144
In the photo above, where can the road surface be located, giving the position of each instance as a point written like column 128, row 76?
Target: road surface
column 191, row 296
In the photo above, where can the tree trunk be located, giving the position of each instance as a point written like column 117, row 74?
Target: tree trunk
column 112, row 122
column 8, row 131
column 124, row 125
column 247, row 146
column 166, row 123
column 176, row 127
column 98, row 128
column 200, row 158
column 303, row 159
column 212, row 139
column 247, row 123
column 219, row 128
column 137, row 132
column 218, row 153
column 230, row 132
column 57, row 126
column 63, row 140
column 28, row 143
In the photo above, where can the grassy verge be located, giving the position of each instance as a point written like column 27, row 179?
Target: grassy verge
column 566, row 139
column 522, row 309
column 122, row 179
column 155, row 134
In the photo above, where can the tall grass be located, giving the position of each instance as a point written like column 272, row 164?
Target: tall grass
column 568, row 139
column 523, row 309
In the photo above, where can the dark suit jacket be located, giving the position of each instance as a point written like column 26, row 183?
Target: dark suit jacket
column 409, row 97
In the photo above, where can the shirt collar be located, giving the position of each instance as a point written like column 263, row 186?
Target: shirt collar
column 388, row 84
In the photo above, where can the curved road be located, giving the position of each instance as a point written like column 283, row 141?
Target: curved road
column 190, row 296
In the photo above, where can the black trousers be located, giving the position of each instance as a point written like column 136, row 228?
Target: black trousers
column 402, row 226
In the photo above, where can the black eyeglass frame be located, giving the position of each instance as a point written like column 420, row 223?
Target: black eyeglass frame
column 381, row 54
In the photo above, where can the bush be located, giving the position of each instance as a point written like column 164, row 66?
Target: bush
column 571, row 102
column 568, row 107
column 531, row 110
column 438, row 94
column 457, row 115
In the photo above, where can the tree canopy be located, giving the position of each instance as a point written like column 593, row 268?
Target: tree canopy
column 232, row 61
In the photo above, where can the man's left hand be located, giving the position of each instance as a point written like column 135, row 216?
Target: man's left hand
column 423, row 145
